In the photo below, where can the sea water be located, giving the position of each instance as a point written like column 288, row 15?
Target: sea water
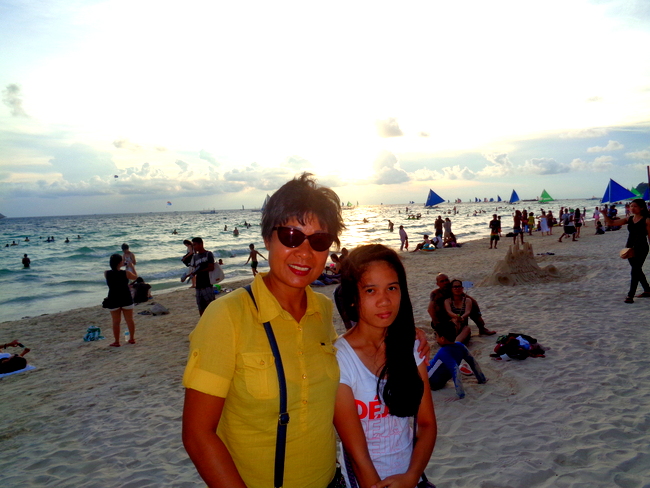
column 70, row 275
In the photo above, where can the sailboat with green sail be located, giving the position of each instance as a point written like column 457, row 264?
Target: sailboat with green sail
column 545, row 198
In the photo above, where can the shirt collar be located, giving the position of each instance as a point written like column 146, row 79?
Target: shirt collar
column 269, row 307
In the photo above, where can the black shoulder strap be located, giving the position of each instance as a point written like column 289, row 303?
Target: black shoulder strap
column 283, row 418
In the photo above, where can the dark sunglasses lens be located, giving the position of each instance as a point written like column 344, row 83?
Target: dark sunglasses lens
column 290, row 237
column 321, row 241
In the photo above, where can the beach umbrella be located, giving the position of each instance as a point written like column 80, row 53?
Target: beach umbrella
column 615, row 192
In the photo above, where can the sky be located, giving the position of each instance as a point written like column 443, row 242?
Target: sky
column 123, row 106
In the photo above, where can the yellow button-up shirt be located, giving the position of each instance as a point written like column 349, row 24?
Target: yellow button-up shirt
column 230, row 357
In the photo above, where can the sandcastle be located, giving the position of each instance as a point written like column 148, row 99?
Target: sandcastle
column 519, row 268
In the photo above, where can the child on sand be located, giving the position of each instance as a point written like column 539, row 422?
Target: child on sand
column 252, row 257
column 445, row 364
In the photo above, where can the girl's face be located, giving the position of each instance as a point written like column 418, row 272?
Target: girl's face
column 379, row 295
column 635, row 209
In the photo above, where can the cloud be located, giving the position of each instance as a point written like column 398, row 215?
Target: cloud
column 160, row 148
column 297, row 163
column 601, row 164
column 585, row 133
column 643, row 155
column 79, row 162
column 12, row 99
column 594, row 99
column 611, row 146
column 500, row 165
column 205, row 155
column 389, row 128
column 545, row 166
column 387, row 171
column 423, row 134
column 182, row 165
column 126, row 144
column 255, row 176
column 425, row 174
column 456, row 173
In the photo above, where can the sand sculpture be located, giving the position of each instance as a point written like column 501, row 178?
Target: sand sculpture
column 519, row 268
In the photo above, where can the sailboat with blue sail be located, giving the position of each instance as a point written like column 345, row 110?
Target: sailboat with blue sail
column 616, row 192
column 514, row 198
column 433, row 199
column 498, row 198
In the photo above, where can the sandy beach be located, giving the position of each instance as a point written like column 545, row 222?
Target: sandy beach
column 95, row 416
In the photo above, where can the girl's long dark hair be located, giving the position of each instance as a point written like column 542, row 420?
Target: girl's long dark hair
column 403, row 389
column 640, row 202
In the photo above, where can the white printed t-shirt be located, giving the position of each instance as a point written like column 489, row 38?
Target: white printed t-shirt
column 389, row 438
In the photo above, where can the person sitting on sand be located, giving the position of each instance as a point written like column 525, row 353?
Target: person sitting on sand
column 141, row 290
column 445, row 364
column 599, row 227
column 458, row 307
column 13, row 362
column 437, row 310
column 425, row 244
column 252, row 257
column 450, row 241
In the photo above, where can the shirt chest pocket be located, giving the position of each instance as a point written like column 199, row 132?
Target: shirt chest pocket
column 330, row 364
column 260, row 375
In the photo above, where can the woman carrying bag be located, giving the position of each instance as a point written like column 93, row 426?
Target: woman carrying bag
column 638, row 226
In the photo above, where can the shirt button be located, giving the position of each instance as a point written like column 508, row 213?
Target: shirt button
column 304, row 376
column 299, row 328
column 299, row 353
column 304, row 402
column 262, row 363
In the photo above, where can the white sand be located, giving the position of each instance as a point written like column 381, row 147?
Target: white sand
column 91, row 415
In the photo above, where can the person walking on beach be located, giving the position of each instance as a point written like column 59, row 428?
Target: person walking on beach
column 549, row 222
column 495, row 226
column 129, row 259
column 568, row 226
column 638, row 226
column 26, row 261
column 119, row 300
column 577, row 221
column 252, row 257
column 404, row 238
column 203, row 264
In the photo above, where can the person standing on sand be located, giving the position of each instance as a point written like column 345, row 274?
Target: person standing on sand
column 404, row 238
column 569, row 228
column 446, row 228
column 638, row 226
column 543, row 223
column 549, row 222
column 119, row 300
column 203, row 263
column 495, row 226
column 516, row 227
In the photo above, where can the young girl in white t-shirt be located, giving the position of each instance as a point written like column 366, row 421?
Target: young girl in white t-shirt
column 383, row 379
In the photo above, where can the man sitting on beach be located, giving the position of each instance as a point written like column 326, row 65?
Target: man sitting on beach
column 437, row 310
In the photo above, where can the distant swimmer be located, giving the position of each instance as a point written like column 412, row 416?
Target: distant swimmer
column 26, row 239
column 78, row 236
column 14, row 243
column 67, row 240
column 390, row 226
column 235, row 232
column 365, row 221
column 26, row 261
column 175, row 232
column 225, row 228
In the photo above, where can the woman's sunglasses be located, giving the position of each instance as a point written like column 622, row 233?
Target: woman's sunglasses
column 290, row 237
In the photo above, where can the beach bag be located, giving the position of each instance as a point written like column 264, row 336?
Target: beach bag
column 158, row 309
column 627, row 253
column 216, row 275
column 93, row 333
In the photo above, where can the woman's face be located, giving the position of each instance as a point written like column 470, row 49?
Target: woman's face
column 295, row 267
column 457, row 288
column 379, row 295
column 634, row 208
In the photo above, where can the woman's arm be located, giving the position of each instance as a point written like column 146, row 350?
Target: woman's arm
column 201, row 415
column 448, row 308
column 426, row 434
column 647, row 227
column 609, row 221
column 131, row 275
column 468, row 308
column 348, row 426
